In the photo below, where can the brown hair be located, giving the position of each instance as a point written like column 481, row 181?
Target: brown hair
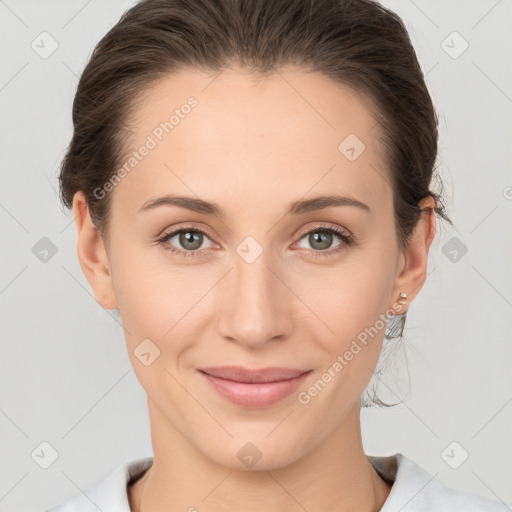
column 358, row 43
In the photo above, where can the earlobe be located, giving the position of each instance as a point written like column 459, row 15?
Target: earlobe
column 92, row 254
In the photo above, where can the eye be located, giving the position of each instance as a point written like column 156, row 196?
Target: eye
column 190, row 239
column 321, row 239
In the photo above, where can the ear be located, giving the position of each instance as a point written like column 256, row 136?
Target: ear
column 413, row 260
column 92, row 254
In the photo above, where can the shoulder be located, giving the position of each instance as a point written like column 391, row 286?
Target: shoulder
column 110, row 494
column 415, row 490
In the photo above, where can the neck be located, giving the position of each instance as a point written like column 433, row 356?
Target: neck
column 336, row 475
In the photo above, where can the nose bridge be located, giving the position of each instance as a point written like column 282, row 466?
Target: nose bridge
column 253, row 308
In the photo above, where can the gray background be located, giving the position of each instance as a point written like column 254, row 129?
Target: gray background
column 65, row 376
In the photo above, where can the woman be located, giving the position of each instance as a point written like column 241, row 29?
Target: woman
column 250, row 185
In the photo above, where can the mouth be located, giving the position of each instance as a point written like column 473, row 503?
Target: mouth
column 254, row 388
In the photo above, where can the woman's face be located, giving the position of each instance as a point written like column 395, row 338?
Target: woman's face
column 257, row 279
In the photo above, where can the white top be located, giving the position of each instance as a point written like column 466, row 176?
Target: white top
column 413, row 490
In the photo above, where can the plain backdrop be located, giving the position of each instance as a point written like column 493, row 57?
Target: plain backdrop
column 66, row 379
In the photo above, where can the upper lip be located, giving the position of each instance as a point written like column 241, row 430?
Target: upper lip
column 258, row 375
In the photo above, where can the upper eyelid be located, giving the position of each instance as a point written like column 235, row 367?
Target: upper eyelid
column 333, row 228
column 173, row 232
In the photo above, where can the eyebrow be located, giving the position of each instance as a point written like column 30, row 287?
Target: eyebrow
column 211, row 208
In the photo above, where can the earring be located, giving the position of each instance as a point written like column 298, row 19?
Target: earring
column 402, row 297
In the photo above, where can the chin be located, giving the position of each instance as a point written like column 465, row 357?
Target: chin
column 256, row 453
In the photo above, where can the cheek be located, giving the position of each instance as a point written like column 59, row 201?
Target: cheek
column 350, row 302
column 347, row 299
column 154, row 306
column 153, row 298
column 167, row 303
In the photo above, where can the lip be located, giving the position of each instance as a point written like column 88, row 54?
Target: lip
column 254, row 388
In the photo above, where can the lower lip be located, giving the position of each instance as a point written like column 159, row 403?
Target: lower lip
column 255, row 395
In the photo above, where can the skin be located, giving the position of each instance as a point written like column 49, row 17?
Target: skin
column 253, row 146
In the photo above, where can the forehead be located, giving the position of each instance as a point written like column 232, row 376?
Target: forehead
column 291, row 131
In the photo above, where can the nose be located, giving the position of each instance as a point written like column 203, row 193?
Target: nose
column 254, row 302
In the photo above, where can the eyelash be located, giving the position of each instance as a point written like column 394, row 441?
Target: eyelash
column 348, row 240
